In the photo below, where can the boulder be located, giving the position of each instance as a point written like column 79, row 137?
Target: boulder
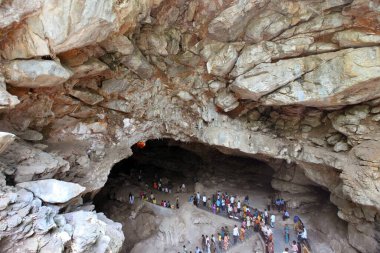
column 35, row 73
column 7, row 101
column 226, row 101
column 222, row 63
column 92, row 67
column 355, row 38
column 52, row 190
column 31, row 135
column 14, row 11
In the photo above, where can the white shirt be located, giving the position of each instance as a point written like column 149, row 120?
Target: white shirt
column 239, row 205
column 204, row 198
column 272, row 218
column 232, row 199
column 304, row 234
column 235, row 231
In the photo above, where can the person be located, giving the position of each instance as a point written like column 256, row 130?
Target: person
column 226, row 242
column 177, row 203
column 220, row 241
column 154, row 201
column 238, row 206
column 294, row 247
column 286, row 233
column 286, row 215
column 151, row 196
column 214, row 208
column 242, row 234
column 272, row 220
column 266, row 217
column 184, row 249
column 204, row 199
column 213, row 238
column 235, row 234
column 183, row 188
column 208, row 244
column 203, row 243
column 278, row 204
column 286, row 250
column 213, row 246
column 223, row 204
column 270, row 246
column 302, row 235
column 131, row 198
column 246, row 199
column 248, row 222
column 197, row 250
column 198, row 198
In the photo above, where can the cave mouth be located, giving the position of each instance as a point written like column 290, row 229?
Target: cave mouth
column 201, row 168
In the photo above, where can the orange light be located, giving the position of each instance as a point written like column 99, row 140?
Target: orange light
column 140, row 144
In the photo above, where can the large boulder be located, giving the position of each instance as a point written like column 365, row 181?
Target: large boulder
column 7, row 101
column 52, row 190
column 35, row 73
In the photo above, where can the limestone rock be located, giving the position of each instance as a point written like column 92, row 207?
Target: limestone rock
column 226, row 101
column 5, row 140
column 353, row 38
column 52, row 190
column 35, row 73
column 341, row 146
column 222, row 63
column 87, row 96
column 14, row 11
column 7, row 101
column 92, row 67
column 31, row 135
column 232, row 21
column 330, row 84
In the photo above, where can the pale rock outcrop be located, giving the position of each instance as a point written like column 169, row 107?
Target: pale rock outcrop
column 29, row 163
column 230, row 23
column 35, row 73
column 222, row 63
column 52, row 190
column 356, row 38
column 7, row 101
column 343, row 79
column 15, row 11
column 5, row 140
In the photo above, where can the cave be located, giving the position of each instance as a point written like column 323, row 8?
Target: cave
column 207, row 170
column 253, row 97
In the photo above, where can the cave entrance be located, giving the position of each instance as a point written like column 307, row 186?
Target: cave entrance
column 202, row 169
column 199, row 167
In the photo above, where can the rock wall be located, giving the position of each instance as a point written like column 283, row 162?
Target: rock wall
column 82, row 81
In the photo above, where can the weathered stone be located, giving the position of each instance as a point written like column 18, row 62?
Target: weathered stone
column 226, row 101
column 52, row 190
column 87, row 96
column 223, row 62
column 353, row 38
column 231, row 22
column 15, row 11
column 92, row 67
column 31, row 135
column 5, row 140
column 35, row 73
column 117, row 105
column 341, row 146
column 7, row 101
column 215, row 86
column 330, row 84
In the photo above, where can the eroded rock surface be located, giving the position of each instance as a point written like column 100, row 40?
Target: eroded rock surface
column 292, row 82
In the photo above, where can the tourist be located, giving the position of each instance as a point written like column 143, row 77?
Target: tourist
column 183, row 188
column 302, row 235
column 229, row 209
column 294, row 247
column 203, row 243
column 223, row 204
column 204, row 199
column 214, row 208
column 286, row 250
column 286, row 215
column 195, row 201
column 213, row 246
column 286, row 233
column 278, row 204
column 197, row 250
column 238, row 206
column 246, row 199
column 226, row 242
column 266, row 217
column 177, row 203
column 248, row 222
column 184, row 249
column 272, row 220
column 220, row 241
column 208, row 244
column 242, row 234
column 270, row 246
column 131, row 198
column 198, row 198
column 235, row 234
column 151, row 196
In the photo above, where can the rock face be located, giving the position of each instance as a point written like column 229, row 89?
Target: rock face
column 292, row 82
column 35, row 73
column 52, row 190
